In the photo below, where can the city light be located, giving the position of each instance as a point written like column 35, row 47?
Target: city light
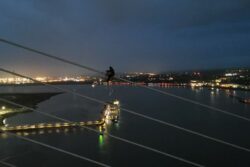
column 231, row 74
column 16, row 80
column 19, row 80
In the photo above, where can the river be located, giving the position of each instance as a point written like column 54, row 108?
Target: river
column 140, row 130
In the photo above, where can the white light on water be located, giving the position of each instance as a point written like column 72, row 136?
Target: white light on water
column 3, row 107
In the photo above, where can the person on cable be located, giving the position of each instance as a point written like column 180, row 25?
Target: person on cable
column 110, row 74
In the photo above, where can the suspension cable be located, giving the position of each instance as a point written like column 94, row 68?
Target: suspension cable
column 134, row 113
column 122, row 79
column 108, row 134
column 56, row 149
column 6, row 164
column 46, row 145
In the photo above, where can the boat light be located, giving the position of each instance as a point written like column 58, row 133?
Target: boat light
column 116, row 102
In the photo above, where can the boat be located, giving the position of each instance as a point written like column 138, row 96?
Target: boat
column 112, row 111
column 247, row 101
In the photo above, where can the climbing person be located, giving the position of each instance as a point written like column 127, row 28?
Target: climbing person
column 110, row 74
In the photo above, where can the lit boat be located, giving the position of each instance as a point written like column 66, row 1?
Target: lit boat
column 247, row 101
column 112, row 111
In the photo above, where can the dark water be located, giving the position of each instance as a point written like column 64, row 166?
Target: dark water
column 134, row 128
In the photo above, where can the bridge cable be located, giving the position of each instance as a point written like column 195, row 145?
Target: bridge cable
column 108, row 134
column 56, row 149
column 134, row 113
column 7, row 164
column 122, row 79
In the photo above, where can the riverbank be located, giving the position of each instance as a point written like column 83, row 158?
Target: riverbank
column 26, row 99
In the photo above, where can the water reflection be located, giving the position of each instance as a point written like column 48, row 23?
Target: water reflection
column 101, row 141
column 104, row 130
column 43, row 132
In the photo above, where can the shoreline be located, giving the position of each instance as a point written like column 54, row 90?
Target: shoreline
column 160, row 85
column 27, row 99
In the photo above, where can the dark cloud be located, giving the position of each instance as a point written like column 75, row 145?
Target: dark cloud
column 132, row 35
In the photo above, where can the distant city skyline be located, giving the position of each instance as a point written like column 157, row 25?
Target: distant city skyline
column 153, row 36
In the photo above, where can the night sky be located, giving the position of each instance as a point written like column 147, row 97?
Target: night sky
column 131, row 35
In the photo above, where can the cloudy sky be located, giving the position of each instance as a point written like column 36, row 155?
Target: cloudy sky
column 131, row 35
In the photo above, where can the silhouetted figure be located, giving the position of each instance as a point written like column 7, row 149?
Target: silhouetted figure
column 110, row 74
